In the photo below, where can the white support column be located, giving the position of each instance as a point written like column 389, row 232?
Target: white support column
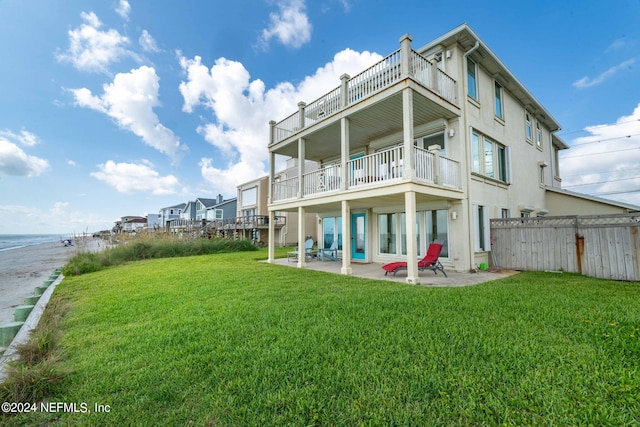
column 344, row 150
column 301, row 236
column 301, row 162
column 271, row 244
column 271, row 257
column 412, row 245
column 344, row 89
column 346, row 238
column 409, row 161
column 405, row 54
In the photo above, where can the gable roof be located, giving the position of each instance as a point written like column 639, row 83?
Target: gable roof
column 179, row 206
column 207, row 202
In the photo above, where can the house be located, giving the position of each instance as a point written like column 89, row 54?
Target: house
column 252, row 219
column 203, row 205
column 153, row 221
column 130, row 224
column 169, row 213
column 429, row 142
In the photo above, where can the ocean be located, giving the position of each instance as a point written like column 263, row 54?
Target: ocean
column 14, row 241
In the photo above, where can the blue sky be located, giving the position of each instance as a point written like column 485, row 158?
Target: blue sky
column 116, row 107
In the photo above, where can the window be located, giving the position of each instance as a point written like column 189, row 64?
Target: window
column 387, row 233
column 505, row 213
column 332, row 230
column 488, row 158
column 527, row 126
column 494, row 162
column 434, row 139
column 249, row 196
column 538, row 135
column 498, row 100
column 541, row 173
column 437, row 229
column 472, row 84
column 403, row 233
column 481, row 222
column 475, row 153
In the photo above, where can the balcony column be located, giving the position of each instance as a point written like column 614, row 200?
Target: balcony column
column 271, row 258
column 301, row 237
column 405, row 55
column 346, row 238
column 344, row 90
column 412, row 244
column 435, row 150
column 301, row 155
column 344, row 156
column 409, row 162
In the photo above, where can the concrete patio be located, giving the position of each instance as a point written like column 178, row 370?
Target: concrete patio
column 427, row 277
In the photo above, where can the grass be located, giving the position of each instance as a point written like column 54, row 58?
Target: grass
column 37, row 374
column 224, row 340
column 150, row 247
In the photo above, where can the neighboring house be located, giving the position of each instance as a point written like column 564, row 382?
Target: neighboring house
column 169, row 213
column 189, row 211
column 130, row 224
column 203, row 205
column 253, row 215
column 431, row 143
column 153, row 221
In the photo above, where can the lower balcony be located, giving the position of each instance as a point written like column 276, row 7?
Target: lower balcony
column 367, row 171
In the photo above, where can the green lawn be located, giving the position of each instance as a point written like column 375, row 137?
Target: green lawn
column 225, row 340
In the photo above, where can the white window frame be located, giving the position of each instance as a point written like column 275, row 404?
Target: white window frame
column 498, row 100
column 482, row 231
column 474, row 75
column 528, row 126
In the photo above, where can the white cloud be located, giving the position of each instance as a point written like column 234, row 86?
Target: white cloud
column 93, row 50
column 71, row 163
column 136, row 178
column 129, row 100
column 123, row 9
column 586, row 82
column 606, row 161
column 147, row 42
column 243, row 107
column 616, row 45
column 59, row 208
column 14, row 161
column 290, row 25
column 24, row 137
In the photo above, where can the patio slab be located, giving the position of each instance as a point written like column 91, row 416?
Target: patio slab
column 374, row 271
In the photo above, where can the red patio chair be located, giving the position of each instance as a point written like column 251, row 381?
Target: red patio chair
column 429, row 262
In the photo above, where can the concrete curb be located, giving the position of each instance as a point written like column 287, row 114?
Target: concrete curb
column 11, row 353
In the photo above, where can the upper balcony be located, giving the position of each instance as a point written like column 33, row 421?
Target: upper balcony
column 438, row 98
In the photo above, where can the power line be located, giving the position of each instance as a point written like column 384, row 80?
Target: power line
column 594, row 154
column 599, row 126
column 602, row 182
column 616, row 192
column 604, row 140
column 603, row 173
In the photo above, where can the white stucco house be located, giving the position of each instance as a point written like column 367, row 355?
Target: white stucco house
column 426, row 145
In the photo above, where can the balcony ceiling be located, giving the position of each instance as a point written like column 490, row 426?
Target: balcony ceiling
column 370, row 119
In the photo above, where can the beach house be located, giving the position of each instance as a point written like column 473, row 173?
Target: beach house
column 426, row 145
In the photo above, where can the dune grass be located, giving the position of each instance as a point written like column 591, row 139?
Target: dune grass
column 151, row 247
column 225, row 340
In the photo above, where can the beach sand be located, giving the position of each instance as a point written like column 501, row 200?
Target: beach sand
column 22, row 269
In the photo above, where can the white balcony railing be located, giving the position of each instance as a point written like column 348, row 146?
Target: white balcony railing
column 285, row 189
column 323, row 180
column 363, row 85
column 375, row 169
column 378, row 167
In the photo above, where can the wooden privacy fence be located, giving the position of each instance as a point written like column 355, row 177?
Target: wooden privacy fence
column 604, row 246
